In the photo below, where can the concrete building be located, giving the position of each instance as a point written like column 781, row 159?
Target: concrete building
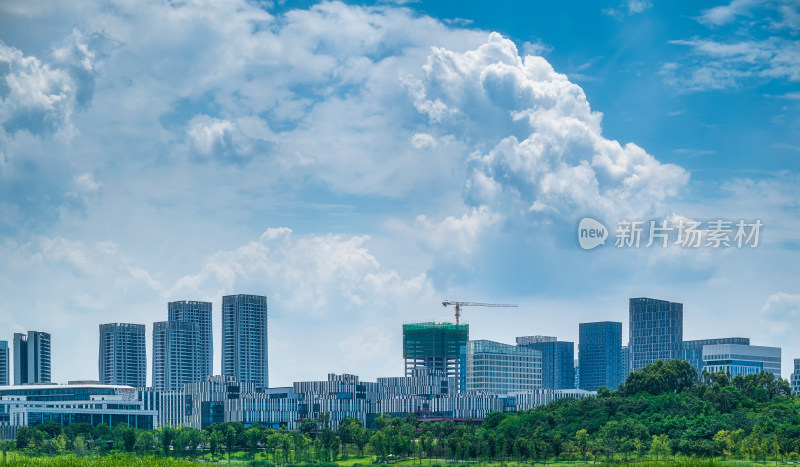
column 431, row 395
column 496, row 368
column 558, row 360
column 656, row 331
column 200, row 313
column 434, row 346
column 5, row 363
column 122, row 358
column 795, row 377
column 31, row 405
column 693, row 350
column 31, row 358
column 737, row 359
column 599, row 349
column 244, row 339
column 174, row 354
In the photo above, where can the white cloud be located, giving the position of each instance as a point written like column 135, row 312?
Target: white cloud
column 781, row 310
column 87, row 182
column 724, row 14
column 38, row 98
column 454, row 238
column 558, row 163
column 721, row 65
column 315, row 275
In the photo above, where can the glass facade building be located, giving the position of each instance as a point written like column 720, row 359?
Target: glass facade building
column 624, row 364
column 122, row 356
column 72, row 403
column 736, row 359
column 693, row 350
column 558, row 360
column 496, row 368
column 599, row 350
column 244, row 338
column 656, row 331
column 795, row 378
column 200, row 313
column 5, row 363
column 31, row 357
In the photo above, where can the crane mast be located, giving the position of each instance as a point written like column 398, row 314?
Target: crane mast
column 458, row 306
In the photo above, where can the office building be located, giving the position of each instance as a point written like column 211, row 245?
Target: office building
column 558, row 360
column 244, row 339
column 200, row 313
column 577, row 375
column 31, row 357
column 429, row 394
column 496, row 368
column 5, row 363
column 121, row 358
column 599, row 349
column 737, row 359
column 174, row 354
column 624, row 363
column 656, row 331
column 693, row 350
column 434, row 346
column 76, row 402
column 795, row 378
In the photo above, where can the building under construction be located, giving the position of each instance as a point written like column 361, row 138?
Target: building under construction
column 436, row 346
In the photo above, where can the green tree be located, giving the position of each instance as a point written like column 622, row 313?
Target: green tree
column 582, row 442
column 230, row 440
column 79, row 447
column 167, row 436
column 6, row 446
column 145, row 442
column 124, row 437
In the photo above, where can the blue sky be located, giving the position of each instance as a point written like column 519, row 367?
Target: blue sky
column 358, row 163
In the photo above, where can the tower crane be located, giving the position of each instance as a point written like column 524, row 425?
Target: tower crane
column 458, row 306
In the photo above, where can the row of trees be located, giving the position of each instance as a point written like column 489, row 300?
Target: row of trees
column 663, row 410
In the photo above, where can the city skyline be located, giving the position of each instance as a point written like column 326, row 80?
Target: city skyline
column 178, row 350
column 358, row 162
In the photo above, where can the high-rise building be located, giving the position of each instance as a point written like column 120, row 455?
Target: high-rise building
column 200, row 313
column 795, row 378
column 174, row 354
column 737, row 359
column 693, row 350
column 5, row 363
column 624, row 363
column 599, row 349
column 435, row 346
column 31, row 357
column 244, row 338
column 122, row 358
column 577, row 375
column 656, row 331
column 497, row 368
column 558, row 357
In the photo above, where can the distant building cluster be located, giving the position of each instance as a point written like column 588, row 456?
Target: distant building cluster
column 447, row 375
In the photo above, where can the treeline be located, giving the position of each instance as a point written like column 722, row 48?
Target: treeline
column 664, row 410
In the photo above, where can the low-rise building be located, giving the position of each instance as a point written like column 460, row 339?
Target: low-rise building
column 737, row 359
column 80, row 402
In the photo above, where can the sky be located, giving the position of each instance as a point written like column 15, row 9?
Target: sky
column 360, row 162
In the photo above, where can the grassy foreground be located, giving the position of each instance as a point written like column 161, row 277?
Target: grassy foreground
column 124, row 460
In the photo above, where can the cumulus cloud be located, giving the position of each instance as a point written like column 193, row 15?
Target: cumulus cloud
column 307, row 275
column 724, row 14
column 556, row 161
column 454, row 237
